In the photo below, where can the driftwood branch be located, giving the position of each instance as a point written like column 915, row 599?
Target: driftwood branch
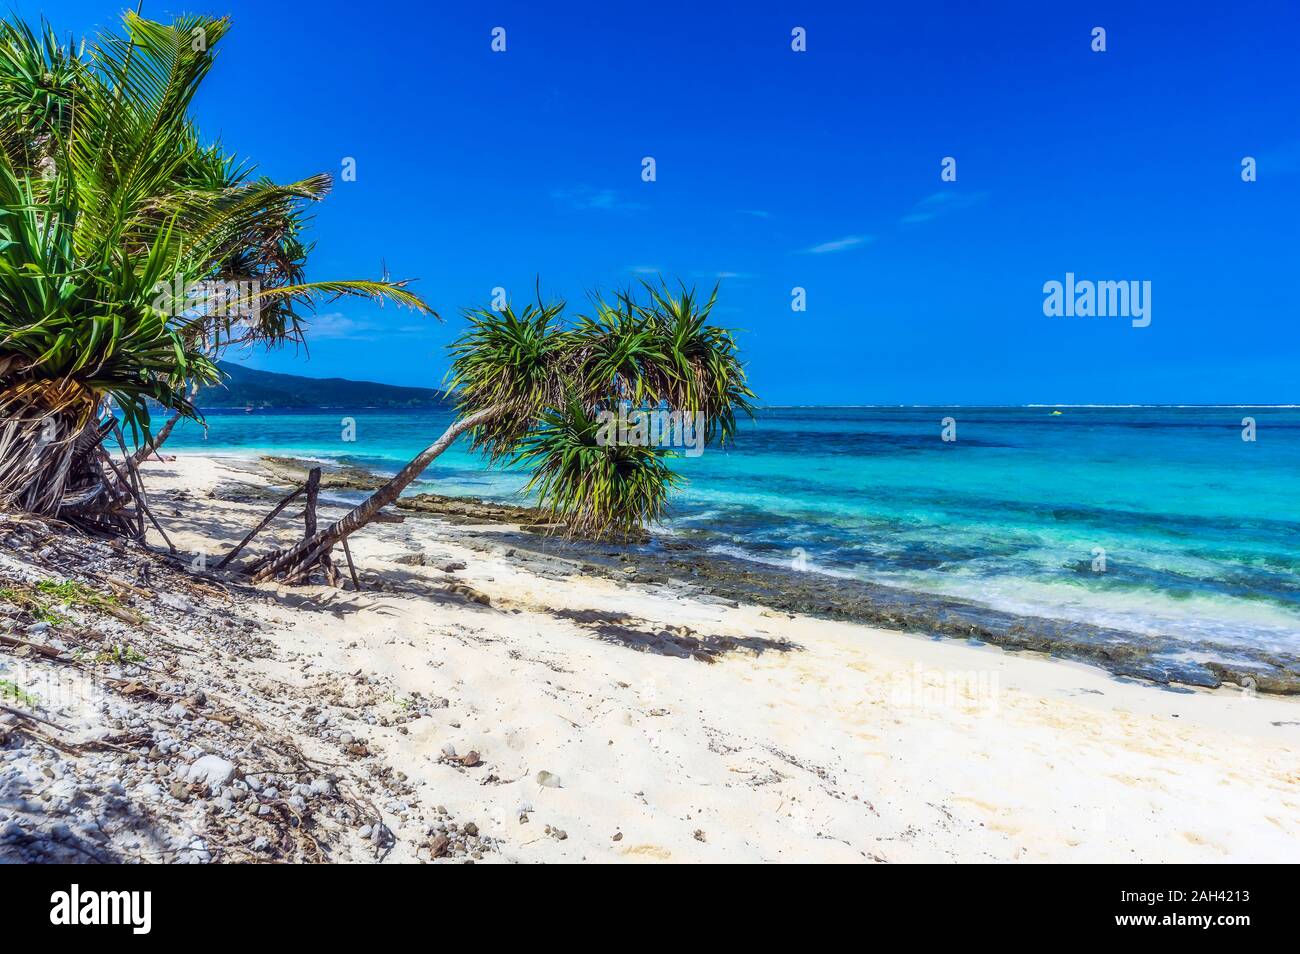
column 47, row 651
column 309, row 524
column 24, row 714
column 352, row 568
column 260, row 527
column 141, row 506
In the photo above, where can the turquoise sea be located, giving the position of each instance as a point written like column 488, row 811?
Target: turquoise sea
column 1156, row 520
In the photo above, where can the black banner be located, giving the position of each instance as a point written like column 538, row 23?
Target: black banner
column 140, row 905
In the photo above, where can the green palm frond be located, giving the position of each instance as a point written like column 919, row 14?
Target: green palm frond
column 215, row 218
column 132, row 135
column 38, row 75
column 508, row 360
column 75, row 331
column 617, row 352
column 701, row 371
column 395, row 292
column 593, row 489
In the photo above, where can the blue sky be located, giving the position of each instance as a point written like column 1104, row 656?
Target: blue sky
column 778, row 169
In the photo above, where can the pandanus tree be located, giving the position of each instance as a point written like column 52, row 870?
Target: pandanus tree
column 130, row 254
column 534, row 390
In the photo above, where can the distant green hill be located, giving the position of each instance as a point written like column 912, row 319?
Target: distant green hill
column 246, row 387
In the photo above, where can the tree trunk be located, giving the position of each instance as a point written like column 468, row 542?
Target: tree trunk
column 157, row 440
column 151, row 446
column 48, row 437
column 52, row 464
column 294, row 564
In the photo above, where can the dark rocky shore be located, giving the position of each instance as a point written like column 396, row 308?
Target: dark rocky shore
column 663, row 560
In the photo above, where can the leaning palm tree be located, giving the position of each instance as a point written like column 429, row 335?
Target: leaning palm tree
column 131, row 254
column 534, row 391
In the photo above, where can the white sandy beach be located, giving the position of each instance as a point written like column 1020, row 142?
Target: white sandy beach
column 616, row 721
column 857, row 745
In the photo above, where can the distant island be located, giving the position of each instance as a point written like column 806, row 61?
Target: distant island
column 246, row 387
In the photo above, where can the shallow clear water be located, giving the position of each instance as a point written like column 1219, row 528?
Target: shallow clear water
column 1200, row 529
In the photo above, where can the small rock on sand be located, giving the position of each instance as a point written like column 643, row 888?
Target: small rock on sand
column 175, row 602
column 210, row 770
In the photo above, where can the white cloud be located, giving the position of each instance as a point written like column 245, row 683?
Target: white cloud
column 839, row 245
column 721, row 274
column 941, row 203
column 336, row 326
column 588, row 199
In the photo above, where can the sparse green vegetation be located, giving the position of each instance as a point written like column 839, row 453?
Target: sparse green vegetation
column 25, row 600
column 11, row 690
column 70, row 593
column 121, row 653
column 41, row 600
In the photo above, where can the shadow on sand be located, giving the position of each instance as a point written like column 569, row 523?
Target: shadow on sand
column 679, row 641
